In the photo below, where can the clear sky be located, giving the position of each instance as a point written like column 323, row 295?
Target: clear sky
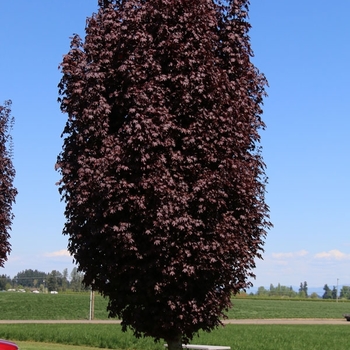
column 303, row 48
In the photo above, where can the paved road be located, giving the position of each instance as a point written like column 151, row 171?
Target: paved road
column 289, row 321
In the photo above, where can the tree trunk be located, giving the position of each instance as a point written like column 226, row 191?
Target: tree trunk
column 174, row 343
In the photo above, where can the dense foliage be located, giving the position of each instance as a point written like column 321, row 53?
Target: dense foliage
column 161, row 169
column 4, row 281
column 7, row 174
column 30, row 278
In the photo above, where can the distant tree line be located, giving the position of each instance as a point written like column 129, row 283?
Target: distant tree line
column 332, row 293
column 288, row 291
column 285, row 291
column 42, row 281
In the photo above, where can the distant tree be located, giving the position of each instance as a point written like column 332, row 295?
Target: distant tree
column 43, row 288
column 288, row 291
column 314, row 295
column 327, row 292
column 262, row 291
column 302, row 294
column 274, row 291
column 303, row 290
column 7, row 174
column 64, row 279
column 76, row 280
column 334, row 293
column 345, row 292
column 4, row 280
column 54, row 281
column 161, row 168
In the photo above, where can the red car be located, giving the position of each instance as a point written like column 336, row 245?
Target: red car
column 7, row 345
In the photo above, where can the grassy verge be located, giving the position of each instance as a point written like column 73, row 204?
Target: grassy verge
column 239, row 337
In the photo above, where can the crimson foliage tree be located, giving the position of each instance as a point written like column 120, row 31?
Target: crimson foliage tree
column 7, row 173
column 161, row 168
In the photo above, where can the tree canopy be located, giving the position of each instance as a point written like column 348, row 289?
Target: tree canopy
column 7, row 173
column 161, row 169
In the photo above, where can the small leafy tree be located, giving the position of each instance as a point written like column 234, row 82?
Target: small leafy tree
column 7, row 173
column 161, row 168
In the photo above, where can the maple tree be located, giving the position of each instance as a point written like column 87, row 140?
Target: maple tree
column 161, row 168
column 7, row 173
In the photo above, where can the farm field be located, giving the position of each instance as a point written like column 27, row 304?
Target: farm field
column 28, row 306
column 286, row 308
column 63, row 336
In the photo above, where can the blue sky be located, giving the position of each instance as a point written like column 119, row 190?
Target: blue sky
column 302, row 47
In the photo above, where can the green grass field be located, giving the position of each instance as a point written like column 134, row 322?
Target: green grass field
column 29, row 306
column 242, row 337
column 26, row 306
column 287, row 308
